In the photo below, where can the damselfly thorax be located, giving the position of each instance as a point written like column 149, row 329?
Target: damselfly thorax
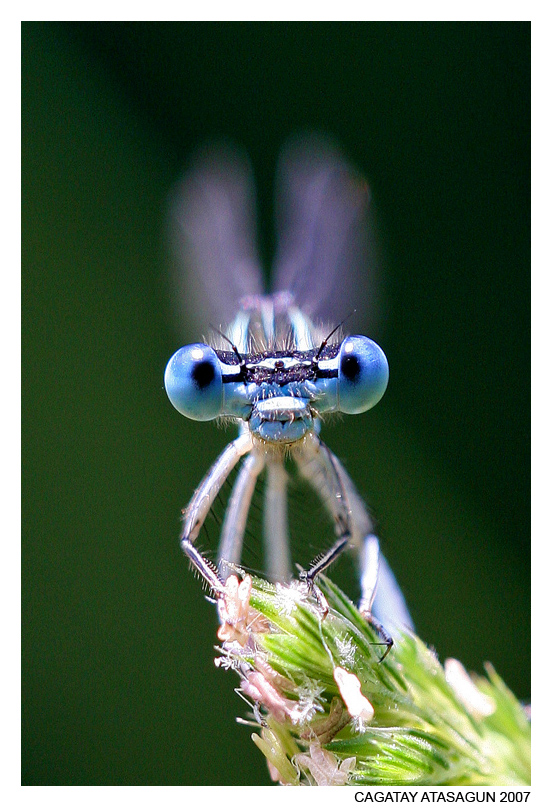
column 277, row 373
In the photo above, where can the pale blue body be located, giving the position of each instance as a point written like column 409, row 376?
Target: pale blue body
column 276, row 375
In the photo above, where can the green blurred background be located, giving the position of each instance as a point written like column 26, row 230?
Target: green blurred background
column 119, row 685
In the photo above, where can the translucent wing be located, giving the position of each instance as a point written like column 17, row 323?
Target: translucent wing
column 326, row 247
column 212, row 235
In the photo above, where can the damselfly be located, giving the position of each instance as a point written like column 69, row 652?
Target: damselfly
column 276, row 370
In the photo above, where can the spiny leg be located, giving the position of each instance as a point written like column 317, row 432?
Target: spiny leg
column 321, row 467
column 233, row 528
column 380, row 591
column 369, row 578
column 315, row 464
column 389, row 603
column 201, row 503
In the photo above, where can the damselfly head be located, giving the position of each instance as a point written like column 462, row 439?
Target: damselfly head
column 278, row 394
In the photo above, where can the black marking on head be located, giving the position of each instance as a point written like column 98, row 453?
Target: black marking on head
column 306, row 369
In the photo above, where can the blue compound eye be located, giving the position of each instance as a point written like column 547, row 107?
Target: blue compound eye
column 193, row 381
column 363, row 375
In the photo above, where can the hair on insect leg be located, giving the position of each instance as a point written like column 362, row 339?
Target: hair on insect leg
column 386, row 638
